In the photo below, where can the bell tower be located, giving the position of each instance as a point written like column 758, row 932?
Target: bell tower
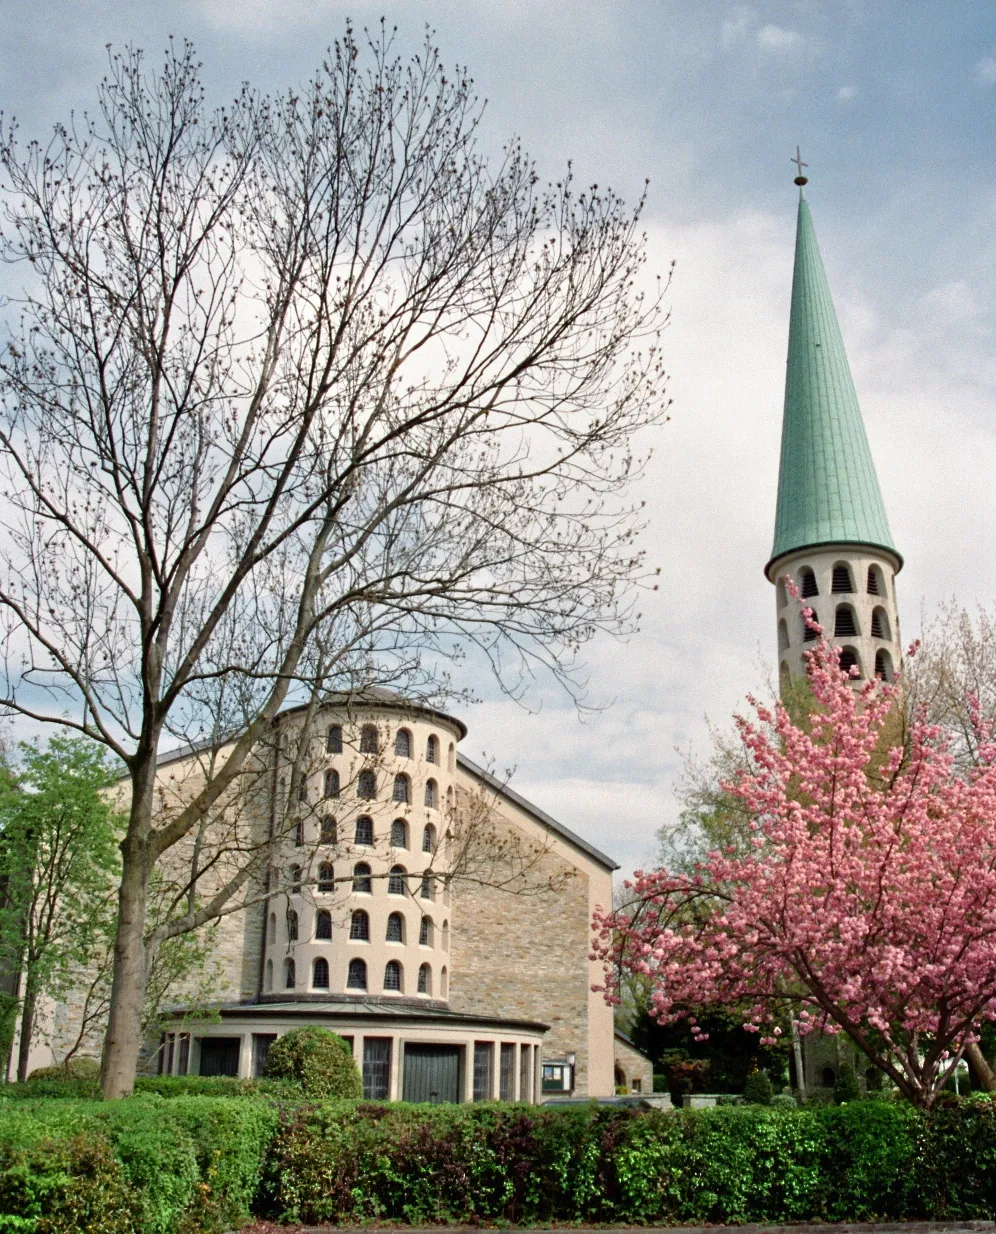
column 832, row 536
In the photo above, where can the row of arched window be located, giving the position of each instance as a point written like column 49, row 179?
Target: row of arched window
column 841, row 582
column 849, row 659
column 366, row 789
column 363, row 833
column 356, row 976
column 397, row 880
column 359, row 928
column 403, row 743
column 845, row 625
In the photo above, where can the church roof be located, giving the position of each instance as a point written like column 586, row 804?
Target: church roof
column 827, row 488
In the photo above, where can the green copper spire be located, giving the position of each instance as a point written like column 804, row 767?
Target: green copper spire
column 827, row 488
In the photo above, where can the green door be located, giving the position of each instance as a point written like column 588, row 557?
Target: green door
column 432, row 1073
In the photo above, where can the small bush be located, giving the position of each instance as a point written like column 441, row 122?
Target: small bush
column 846, row 1086
column 316, row 1059
column 80, row 1068
column 757, row 1088
column 783, row 1101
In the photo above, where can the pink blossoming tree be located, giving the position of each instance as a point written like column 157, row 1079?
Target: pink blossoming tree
column 865, row 904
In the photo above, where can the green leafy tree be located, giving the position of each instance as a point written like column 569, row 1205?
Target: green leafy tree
column 58, row 863
column 317, row 1059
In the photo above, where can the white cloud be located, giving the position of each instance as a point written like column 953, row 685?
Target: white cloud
column 734, row 28
column 985, row 71
column 779, row 39
column 846, row 93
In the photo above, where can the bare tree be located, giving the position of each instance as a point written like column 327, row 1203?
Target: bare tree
column 303, row 395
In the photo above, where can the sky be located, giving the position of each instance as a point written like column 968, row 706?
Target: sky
column 893, row 106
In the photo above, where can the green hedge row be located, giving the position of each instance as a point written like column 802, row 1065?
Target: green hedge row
column 162, row 1085
column 196, row 1164
column 141, row 1166
column 860, row 1162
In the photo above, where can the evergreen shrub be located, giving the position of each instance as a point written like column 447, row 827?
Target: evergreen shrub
column 80, row 1068
column 757, row 1088
column 316, row 1059
column 846, row 1086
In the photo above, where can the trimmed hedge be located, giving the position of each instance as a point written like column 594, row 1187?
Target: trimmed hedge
column 161, row 1085
column 317, row 1060
column 140, row 1166
column 860, row 1162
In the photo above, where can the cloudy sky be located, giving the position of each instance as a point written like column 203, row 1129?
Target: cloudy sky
column 893, row 104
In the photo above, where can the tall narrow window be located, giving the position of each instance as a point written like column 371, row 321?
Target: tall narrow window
column 299, row 833
column 302, row 790
column 392, row 976
column 269, row 976
column 845, row 624
column 330, row 832
column 808, row 633
column 361, row 878
column 290, row 975
column 883, row 665
column 429, row 839
column 876, row 583
column 484, row 1053
column 320, row 974
column 395, row 928
column 424, row 979
column 364, row 833
column 425, row 932
column 402, row 789
column 444, row 983
column 292, row 926
column 451, row 759
column 323, row 924
column 807, row 583
column 428, row 889
column 403, row 743
column 359, row 926
column 783, row 635
column 432, row 794
column 326, row 878
column 376, row 1065
column 366, row 785
column 368, row 739
column 506, row 1072
column 331, row 787
column 841, row 578
column 333, row 739
column 396, row 881
column 446, row 936
column 399, row 833
column 880, row 623
column 356, row 975
column 432, row 749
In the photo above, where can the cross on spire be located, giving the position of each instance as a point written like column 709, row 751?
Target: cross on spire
column 800, row 178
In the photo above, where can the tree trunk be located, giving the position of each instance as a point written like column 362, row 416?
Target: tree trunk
column 123, row 1039
column 27, row 1028
column 800, row 1068
column 982, row 1073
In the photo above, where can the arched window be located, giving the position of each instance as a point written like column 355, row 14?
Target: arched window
column 807, row 583
column 392, row 976
column 429, row 839
column 451, row 758
column 403, row 743
column 290, row 975
column 361, row 878
column 331, row 787
column 299, row 833
column 783, row 635
column 848, row 660
column 395, row 928
column 366, row 785
column 396, row 881
column 444, row 984
column 302, row 790
column 326, row 878
column 424, row 979
column 431, row 794
column 446, row 936
column 359, row 926
column 368, row 739
column 356, row 977
column 876, row 581
column 841, row 578
column 428, row 889
column 845, row 624
column 781, row 595
column 399, row 833
column 364, row 833
column 323, row 924
column 295, row 873
column 320, row 974
column 432, row 749
column 330, row 832
column 402, row 788
column 425, row 932
column 292, row 926
column 269, row 976
column 880, row 623
column 808, row 633
column 333, row 739
column 273, row 927
column 883, row 665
